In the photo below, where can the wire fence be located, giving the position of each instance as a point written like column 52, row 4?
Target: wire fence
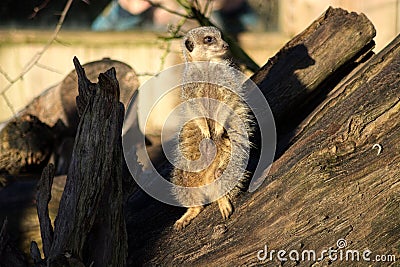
column 34, row 61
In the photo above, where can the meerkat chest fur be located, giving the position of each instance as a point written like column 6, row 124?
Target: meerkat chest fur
column 209, row 74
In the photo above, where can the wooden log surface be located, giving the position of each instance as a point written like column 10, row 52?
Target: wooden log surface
column 330, row 185
column 58, row 102
column 89, row 229
column 312, row 63
column 26, row 144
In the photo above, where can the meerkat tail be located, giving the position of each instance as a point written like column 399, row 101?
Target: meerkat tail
column 189, row 215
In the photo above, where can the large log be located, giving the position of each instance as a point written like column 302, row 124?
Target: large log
column 58, row 103
column 153, row 242
column 26, row 144
column 338, row 181
column 48, row 124
column 312, row 63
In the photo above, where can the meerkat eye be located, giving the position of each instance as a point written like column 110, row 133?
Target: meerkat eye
column 208, row 40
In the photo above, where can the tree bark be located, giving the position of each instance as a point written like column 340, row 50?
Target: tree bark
column 26, row 145
column 58, row 103
column 43, row 198
column 336, row 186
column 90, row 226
column 9, row 254
column 312, row 63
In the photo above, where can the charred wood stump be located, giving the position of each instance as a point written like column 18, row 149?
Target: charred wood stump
column 90, row 227
column 10, row 255
column 128, row 83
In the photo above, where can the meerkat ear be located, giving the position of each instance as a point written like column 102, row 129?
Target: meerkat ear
column 189, row 45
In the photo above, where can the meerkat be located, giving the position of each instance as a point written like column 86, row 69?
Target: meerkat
column 214, row 130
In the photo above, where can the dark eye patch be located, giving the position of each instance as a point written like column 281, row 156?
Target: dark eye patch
column 189, row 45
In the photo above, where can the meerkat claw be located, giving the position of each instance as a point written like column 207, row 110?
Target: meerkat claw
column 225, row 207
column 180, row 224
column 218, row 131
column 185, row 220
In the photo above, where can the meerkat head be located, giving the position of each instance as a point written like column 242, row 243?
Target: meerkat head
column 204, row 44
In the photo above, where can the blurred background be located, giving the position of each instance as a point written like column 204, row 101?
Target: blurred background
column 128, row 30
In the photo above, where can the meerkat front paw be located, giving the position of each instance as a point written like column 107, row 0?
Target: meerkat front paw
column 181, row 223
column 205, row 133
column 225, row 207
column 189, row 215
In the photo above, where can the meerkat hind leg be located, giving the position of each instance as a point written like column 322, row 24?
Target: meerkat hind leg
column 189, row 215
column 225, row 207
column 218, row 130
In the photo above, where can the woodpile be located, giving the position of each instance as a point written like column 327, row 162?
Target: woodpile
column 334, row 184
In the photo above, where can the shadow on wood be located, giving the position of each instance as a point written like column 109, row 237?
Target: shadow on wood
column 328, row 185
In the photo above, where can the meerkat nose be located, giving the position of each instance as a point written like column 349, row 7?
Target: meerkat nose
column 225, row 46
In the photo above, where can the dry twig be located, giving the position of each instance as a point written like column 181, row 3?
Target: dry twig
column 34, row 61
